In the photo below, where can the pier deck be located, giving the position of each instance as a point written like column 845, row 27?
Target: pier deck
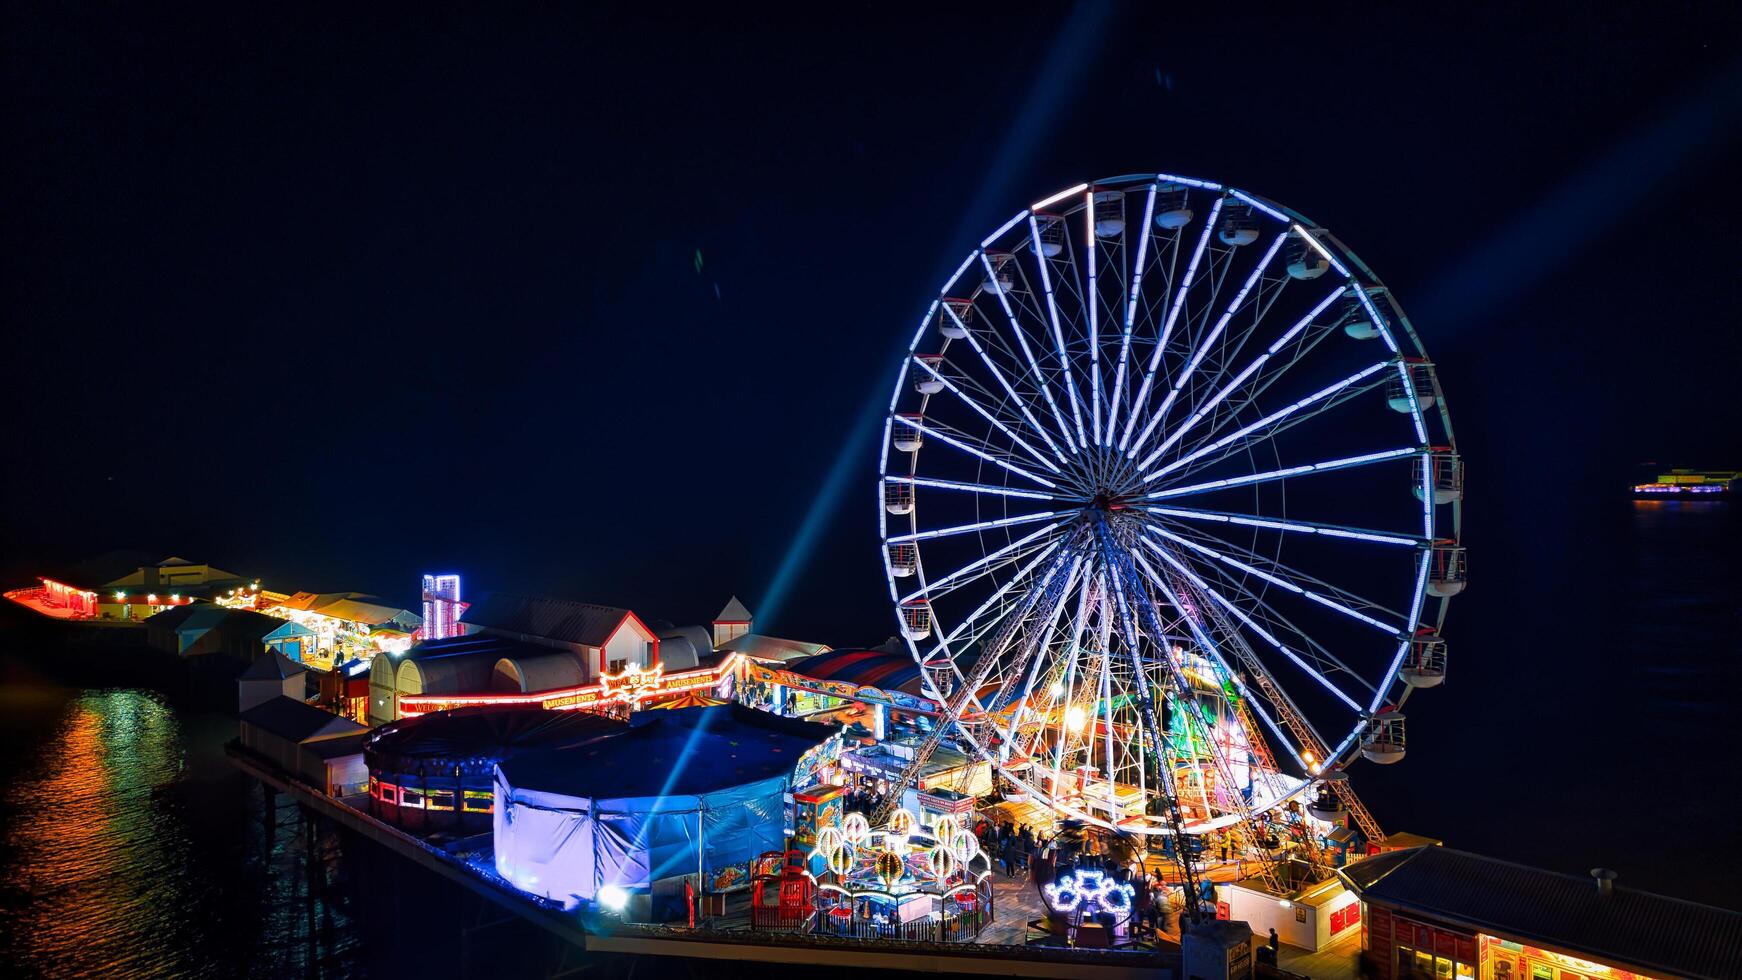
column 1002, row 950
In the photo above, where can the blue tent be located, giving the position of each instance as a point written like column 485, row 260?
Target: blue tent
column 676, row 793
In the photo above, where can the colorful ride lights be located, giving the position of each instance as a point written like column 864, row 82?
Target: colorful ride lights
column 840, row 860
column 889, row 867
column 1090, row 891
column 855, row 828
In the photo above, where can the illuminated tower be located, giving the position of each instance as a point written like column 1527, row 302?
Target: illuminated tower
column 441, row 607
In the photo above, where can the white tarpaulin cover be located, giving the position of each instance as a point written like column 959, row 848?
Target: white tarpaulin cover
column 680, row 792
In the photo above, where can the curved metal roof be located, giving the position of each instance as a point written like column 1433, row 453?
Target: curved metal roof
column 865, row 668
column 475, row 739
column 542, row 672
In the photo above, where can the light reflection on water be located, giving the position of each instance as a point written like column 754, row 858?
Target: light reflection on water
column 131, row 848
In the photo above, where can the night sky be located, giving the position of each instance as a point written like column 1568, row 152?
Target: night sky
column 610, row 308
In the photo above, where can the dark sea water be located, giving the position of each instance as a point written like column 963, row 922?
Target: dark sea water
column 1591, row 718
column 132, row 848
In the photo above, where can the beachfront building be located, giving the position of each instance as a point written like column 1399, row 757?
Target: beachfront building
column 347, row 625
column 1439, row 912
column 517, row 645
column 605, row 639
column 321, row 748
column 149, row 589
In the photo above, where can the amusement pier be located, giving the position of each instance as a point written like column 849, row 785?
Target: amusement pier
column 1122, row 725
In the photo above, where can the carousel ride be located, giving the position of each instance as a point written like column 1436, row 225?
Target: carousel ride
column 1170, row 511
column 898, row 880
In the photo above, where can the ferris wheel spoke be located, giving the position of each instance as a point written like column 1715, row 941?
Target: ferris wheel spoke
column 926, row 481
column 1009, row 391
column 1073, row 657
column 1290, row 584
column 935, row 588
column 948, row 532
column 1213, row 435
column 1321, row 591
column 1167, row 327
column 1286, row 472
column 1240, row 379
column 1022, row 700
column 1130, row 318
column 984, row 413
column 1028, row 353
column 1257, row 628
column 1205, row 343
column 1281, row 524
column 969, row 446
column 1265, row 616
column 975, row 618
column 1244, row 654
column 1267, row 428
column 1058, row 336
column 1092, row 303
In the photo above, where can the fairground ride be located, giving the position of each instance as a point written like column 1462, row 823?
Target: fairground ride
column 1170, row 511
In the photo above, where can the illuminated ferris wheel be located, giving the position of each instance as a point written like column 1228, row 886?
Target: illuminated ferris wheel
column 1170, row 506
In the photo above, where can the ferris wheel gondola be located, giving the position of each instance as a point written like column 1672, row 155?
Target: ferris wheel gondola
column 1158, row 515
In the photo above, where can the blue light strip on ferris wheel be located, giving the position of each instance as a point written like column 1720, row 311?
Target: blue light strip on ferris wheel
column 1061, row 195
column 1190, row 182
column 1167, row 325
column 1013, row 222
column 1203, row 349
column 970, row 528
column 924, row 321
column 977, row 407
column 1208, row 407
column 1252, row 624
column 1260, row 205
column 1130, row 315
column 951, row 282
column 1094, row 304
column 963, row 446
column 926, row 481
column 1058, row 335
column 1319, row 247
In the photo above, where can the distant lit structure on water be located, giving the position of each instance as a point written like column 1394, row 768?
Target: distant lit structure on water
column 1690, row 484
